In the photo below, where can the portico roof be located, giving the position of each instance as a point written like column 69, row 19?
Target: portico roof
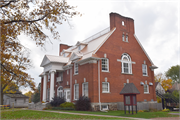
column 129, row 88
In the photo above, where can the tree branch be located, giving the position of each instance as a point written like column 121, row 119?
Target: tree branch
column 7, row 3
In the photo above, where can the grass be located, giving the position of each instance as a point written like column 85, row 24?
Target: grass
column 147, row 115
column 30, row 114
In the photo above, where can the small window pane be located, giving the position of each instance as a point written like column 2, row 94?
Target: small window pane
column 104, row 64
column 127, row 99
column 105, row 87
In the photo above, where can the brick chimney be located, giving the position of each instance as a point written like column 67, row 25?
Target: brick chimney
column 121, row 23
column 63, row 46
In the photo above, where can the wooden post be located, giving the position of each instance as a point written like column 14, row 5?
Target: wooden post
column 136, row 109
column 124, row 109
column 129, row 108
column 132, row 109
column 13, row 106
column 162, row 103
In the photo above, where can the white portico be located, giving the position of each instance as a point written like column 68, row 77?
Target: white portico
column 51, row 65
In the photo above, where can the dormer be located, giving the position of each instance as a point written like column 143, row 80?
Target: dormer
column 75, row 56
column 65, row 53
column 80, row 45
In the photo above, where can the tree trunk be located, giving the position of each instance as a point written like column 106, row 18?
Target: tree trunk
column 1, row 91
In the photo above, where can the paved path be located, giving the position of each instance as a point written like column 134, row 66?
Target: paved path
column 96, row 115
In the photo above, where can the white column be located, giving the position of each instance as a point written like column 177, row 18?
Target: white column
column 52, row 84
column 44, row 87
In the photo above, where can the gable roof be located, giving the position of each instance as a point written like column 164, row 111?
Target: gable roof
column 52, row 58
column 19, row 95
column 129, row 88
column 156, row 83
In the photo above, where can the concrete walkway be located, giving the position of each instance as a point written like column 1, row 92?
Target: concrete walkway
column 95, row 115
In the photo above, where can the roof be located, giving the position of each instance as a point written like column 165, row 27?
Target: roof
column 52, row 58
column 156, row 83
column 176, row 86
column 129, row 88
column 16, row 95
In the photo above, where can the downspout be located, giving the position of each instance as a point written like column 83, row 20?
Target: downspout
column 99, row 83
column 71, row 84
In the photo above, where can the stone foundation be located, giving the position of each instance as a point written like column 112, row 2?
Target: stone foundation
column 111, row 106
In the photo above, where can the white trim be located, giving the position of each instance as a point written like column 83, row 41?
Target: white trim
column 147, row 89
column 83, row 89
column 76, row 69
column 108, row 88
column 104, row 41
column 143, row 49
column 145, row 69
column 74, row 91
column 105, row 108
column 105, row 64
column 128, row 62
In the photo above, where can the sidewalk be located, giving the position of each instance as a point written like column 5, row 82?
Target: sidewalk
column 96, row 115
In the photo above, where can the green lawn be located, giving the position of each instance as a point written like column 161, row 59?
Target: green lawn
column 121, row 113
column 30, row 114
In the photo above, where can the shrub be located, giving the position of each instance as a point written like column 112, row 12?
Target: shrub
column 45, row 108
column 60, row 108
column 56, row 101
column 83, row 104
column 153, row 110
column 67, row 105
column 146, row 110
column 42, row 102
column 159, row 100
column 140, row 111
column 166, row 110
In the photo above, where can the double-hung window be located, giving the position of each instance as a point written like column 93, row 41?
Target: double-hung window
column 144, row 69
column 146, row 88
column 75, row 68
column 123, row 39
column 126, row 64
column 105, row 65
column 85, row 89
column 126, row 38
column 76, row 91
column 105, row 87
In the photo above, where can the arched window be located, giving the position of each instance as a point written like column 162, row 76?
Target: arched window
column 60, row 91
column 126, row 64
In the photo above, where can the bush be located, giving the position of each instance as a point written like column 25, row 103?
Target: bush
column 45, row 108
column 42, row 102
column 166, row 110
column 146, row 110
column 67, row 105
column 140, row 111
column 83, row 104
column 153, row 110
column 56, row 101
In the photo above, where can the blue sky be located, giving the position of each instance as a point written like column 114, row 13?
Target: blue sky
column 156, row 26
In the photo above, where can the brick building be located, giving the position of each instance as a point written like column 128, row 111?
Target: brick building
column 99, row 67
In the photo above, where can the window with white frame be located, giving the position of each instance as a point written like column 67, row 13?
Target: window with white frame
column 105, row 87
column 104, row 107
column 67, row 72
column 85, row 89
column 75, row 68
column 79, row 48
column 60, row 91
column 126, row 64
column 105, row 65
column 146, row 88
column 123, row 37
column 144, row 69
column 76, row 91
column 126, row 38
column 122, row 23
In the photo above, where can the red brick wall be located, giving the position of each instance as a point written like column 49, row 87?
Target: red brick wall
column 63, row 46
column 114, row 47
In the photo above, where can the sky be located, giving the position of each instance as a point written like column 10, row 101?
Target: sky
column 156, row 26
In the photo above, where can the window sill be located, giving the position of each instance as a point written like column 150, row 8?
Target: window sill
column 146, row 93
column 105, row 71
column 75, row 74
column 127, row 73
column 145, row 75
column 106, row 92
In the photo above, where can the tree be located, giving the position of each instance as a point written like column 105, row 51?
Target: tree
column 36, row 97
column 173, row 73
column 163, row 80
column 166, row 84
column 30, row 95
column 30, row 17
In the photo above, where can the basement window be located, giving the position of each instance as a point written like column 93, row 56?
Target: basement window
column 104, row 107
